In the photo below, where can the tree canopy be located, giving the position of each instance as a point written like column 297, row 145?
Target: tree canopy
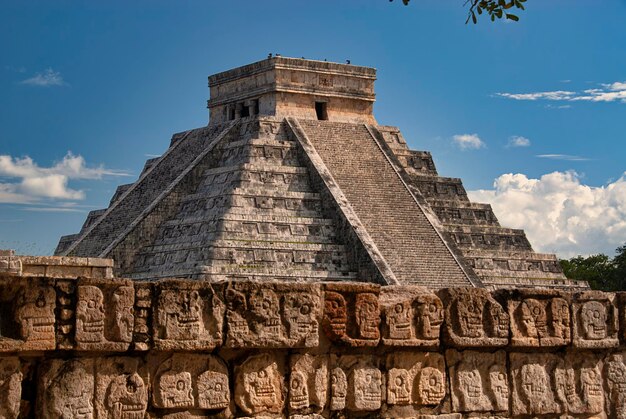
column 601, row 271
column 494, row 9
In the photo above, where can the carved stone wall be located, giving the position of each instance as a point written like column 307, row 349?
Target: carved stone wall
column 81, row 344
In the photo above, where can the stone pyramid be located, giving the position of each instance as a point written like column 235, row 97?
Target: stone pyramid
column 293, row 179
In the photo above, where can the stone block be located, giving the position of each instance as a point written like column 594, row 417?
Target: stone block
column 11, row 387
column 356, row 383
column 412, row 316
column 539, row 318
column 479, row 381
column 189, row 315
column 104, row 314
column 272, row 314
column 473, row 318
column 65, row 389
column 549, row 384
column 121, row 388
column 615, row 375
column 308, row 383
column 259, row 385
column 189, row 382
column 595, row 320
column 352, row 314
column 28, row 315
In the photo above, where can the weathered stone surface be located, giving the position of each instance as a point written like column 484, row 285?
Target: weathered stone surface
column 540, row 318
column 412, row 316
column 121, row 388
column 356, row 383
column 65, row 389
column 272, row 314
column 352, row 314
column 188, row 315
column 473, row 318
column 479, row 381
column 308, row 383
column 615, row 375
column 10, row 387
column 259, row 385
column 595, row 320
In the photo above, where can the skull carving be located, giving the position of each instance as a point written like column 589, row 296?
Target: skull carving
column 399, row 387
column 335, row 314
column 236, row 305
column 264, row 306
column 10, row 387
column 339, row 389
column 560, row 318
column 591, row 380
column 367, row 388
column 534, row 318
column 616, row 374
column 429, row 316
column 431, row 386
column 470, row 316
column 566, row 386
column 471, row 385
column 260, row 387
column 90, row 314
column 35, row 313
column 298, row 391
column 180, row 314
column 70, row 393
column 367, row 315
column 535, row 386
column 594, row 318
column 213, row 390
column 175, row 390
column 398, row 319
column 127, row 397
column 123, row 300
column 300, row 313
column 499, row 386
column 498, row 320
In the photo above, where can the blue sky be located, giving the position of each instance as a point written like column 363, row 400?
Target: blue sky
column 531, row 115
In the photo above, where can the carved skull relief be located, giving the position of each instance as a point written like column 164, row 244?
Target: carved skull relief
column 430, row 317
column 181, row 314
column 561, row 320
column 367, row 388
column 300, row 314
column 594, row 320
column 471, row 386
column 298, row 391
column 499, row 386
column 10, row 387
column 70, row 393
column 338, row 389
column 591, row 383
column 260, row 387
column 236, row 305
column 470, row 316
column 35, row 313
column 264, row 306
column 175, row 390
column 534, row 385
column 213, row 390
column 497, row 320
column 399, row 387
column 127, row 397
column 90, row 314
column 367, row 315
column 335, row 313
column 431, row 386
column 398, row 320
column 534, row 318
column 123, row 299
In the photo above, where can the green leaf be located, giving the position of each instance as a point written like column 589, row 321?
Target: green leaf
column 512, row 17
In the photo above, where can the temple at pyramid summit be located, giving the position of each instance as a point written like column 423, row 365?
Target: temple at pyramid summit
column 293, row 179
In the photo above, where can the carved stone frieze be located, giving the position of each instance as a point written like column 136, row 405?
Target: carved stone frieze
column 308, row 383
column 595, row 320
column 356, row 383
column 10, row 387
column 259, row 385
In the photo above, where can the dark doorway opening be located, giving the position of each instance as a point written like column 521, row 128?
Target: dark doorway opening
column 245, row 111
column 321, row 111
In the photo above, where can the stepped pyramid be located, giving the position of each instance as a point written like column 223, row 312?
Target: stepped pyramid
column 294, row 180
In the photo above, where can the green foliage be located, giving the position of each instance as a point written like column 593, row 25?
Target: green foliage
column 602, row 272
column 494, row 9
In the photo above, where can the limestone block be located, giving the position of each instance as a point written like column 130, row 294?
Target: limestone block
column 272, row 314
column 595, row 320
column 104, row 314
column 412, row 316
column 352, row 314
column 10, row 387
column 189, row 381
column 189, row 315
column 308, row 383
column 479, row 381
column 415, row 378
column 65, row 389
column 121, row 388
column 615, row 374
column 473, row 318
column 539, row 318
column 356, row 383
column 549, row 384
column 29, row 321
column 259, row 386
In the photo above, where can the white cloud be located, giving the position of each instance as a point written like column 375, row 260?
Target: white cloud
column 567, row 157
column 518, row 141
column 468, row 141
column 48, row 78
column 559, row 213
column 608, row 92
column 30, row 183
